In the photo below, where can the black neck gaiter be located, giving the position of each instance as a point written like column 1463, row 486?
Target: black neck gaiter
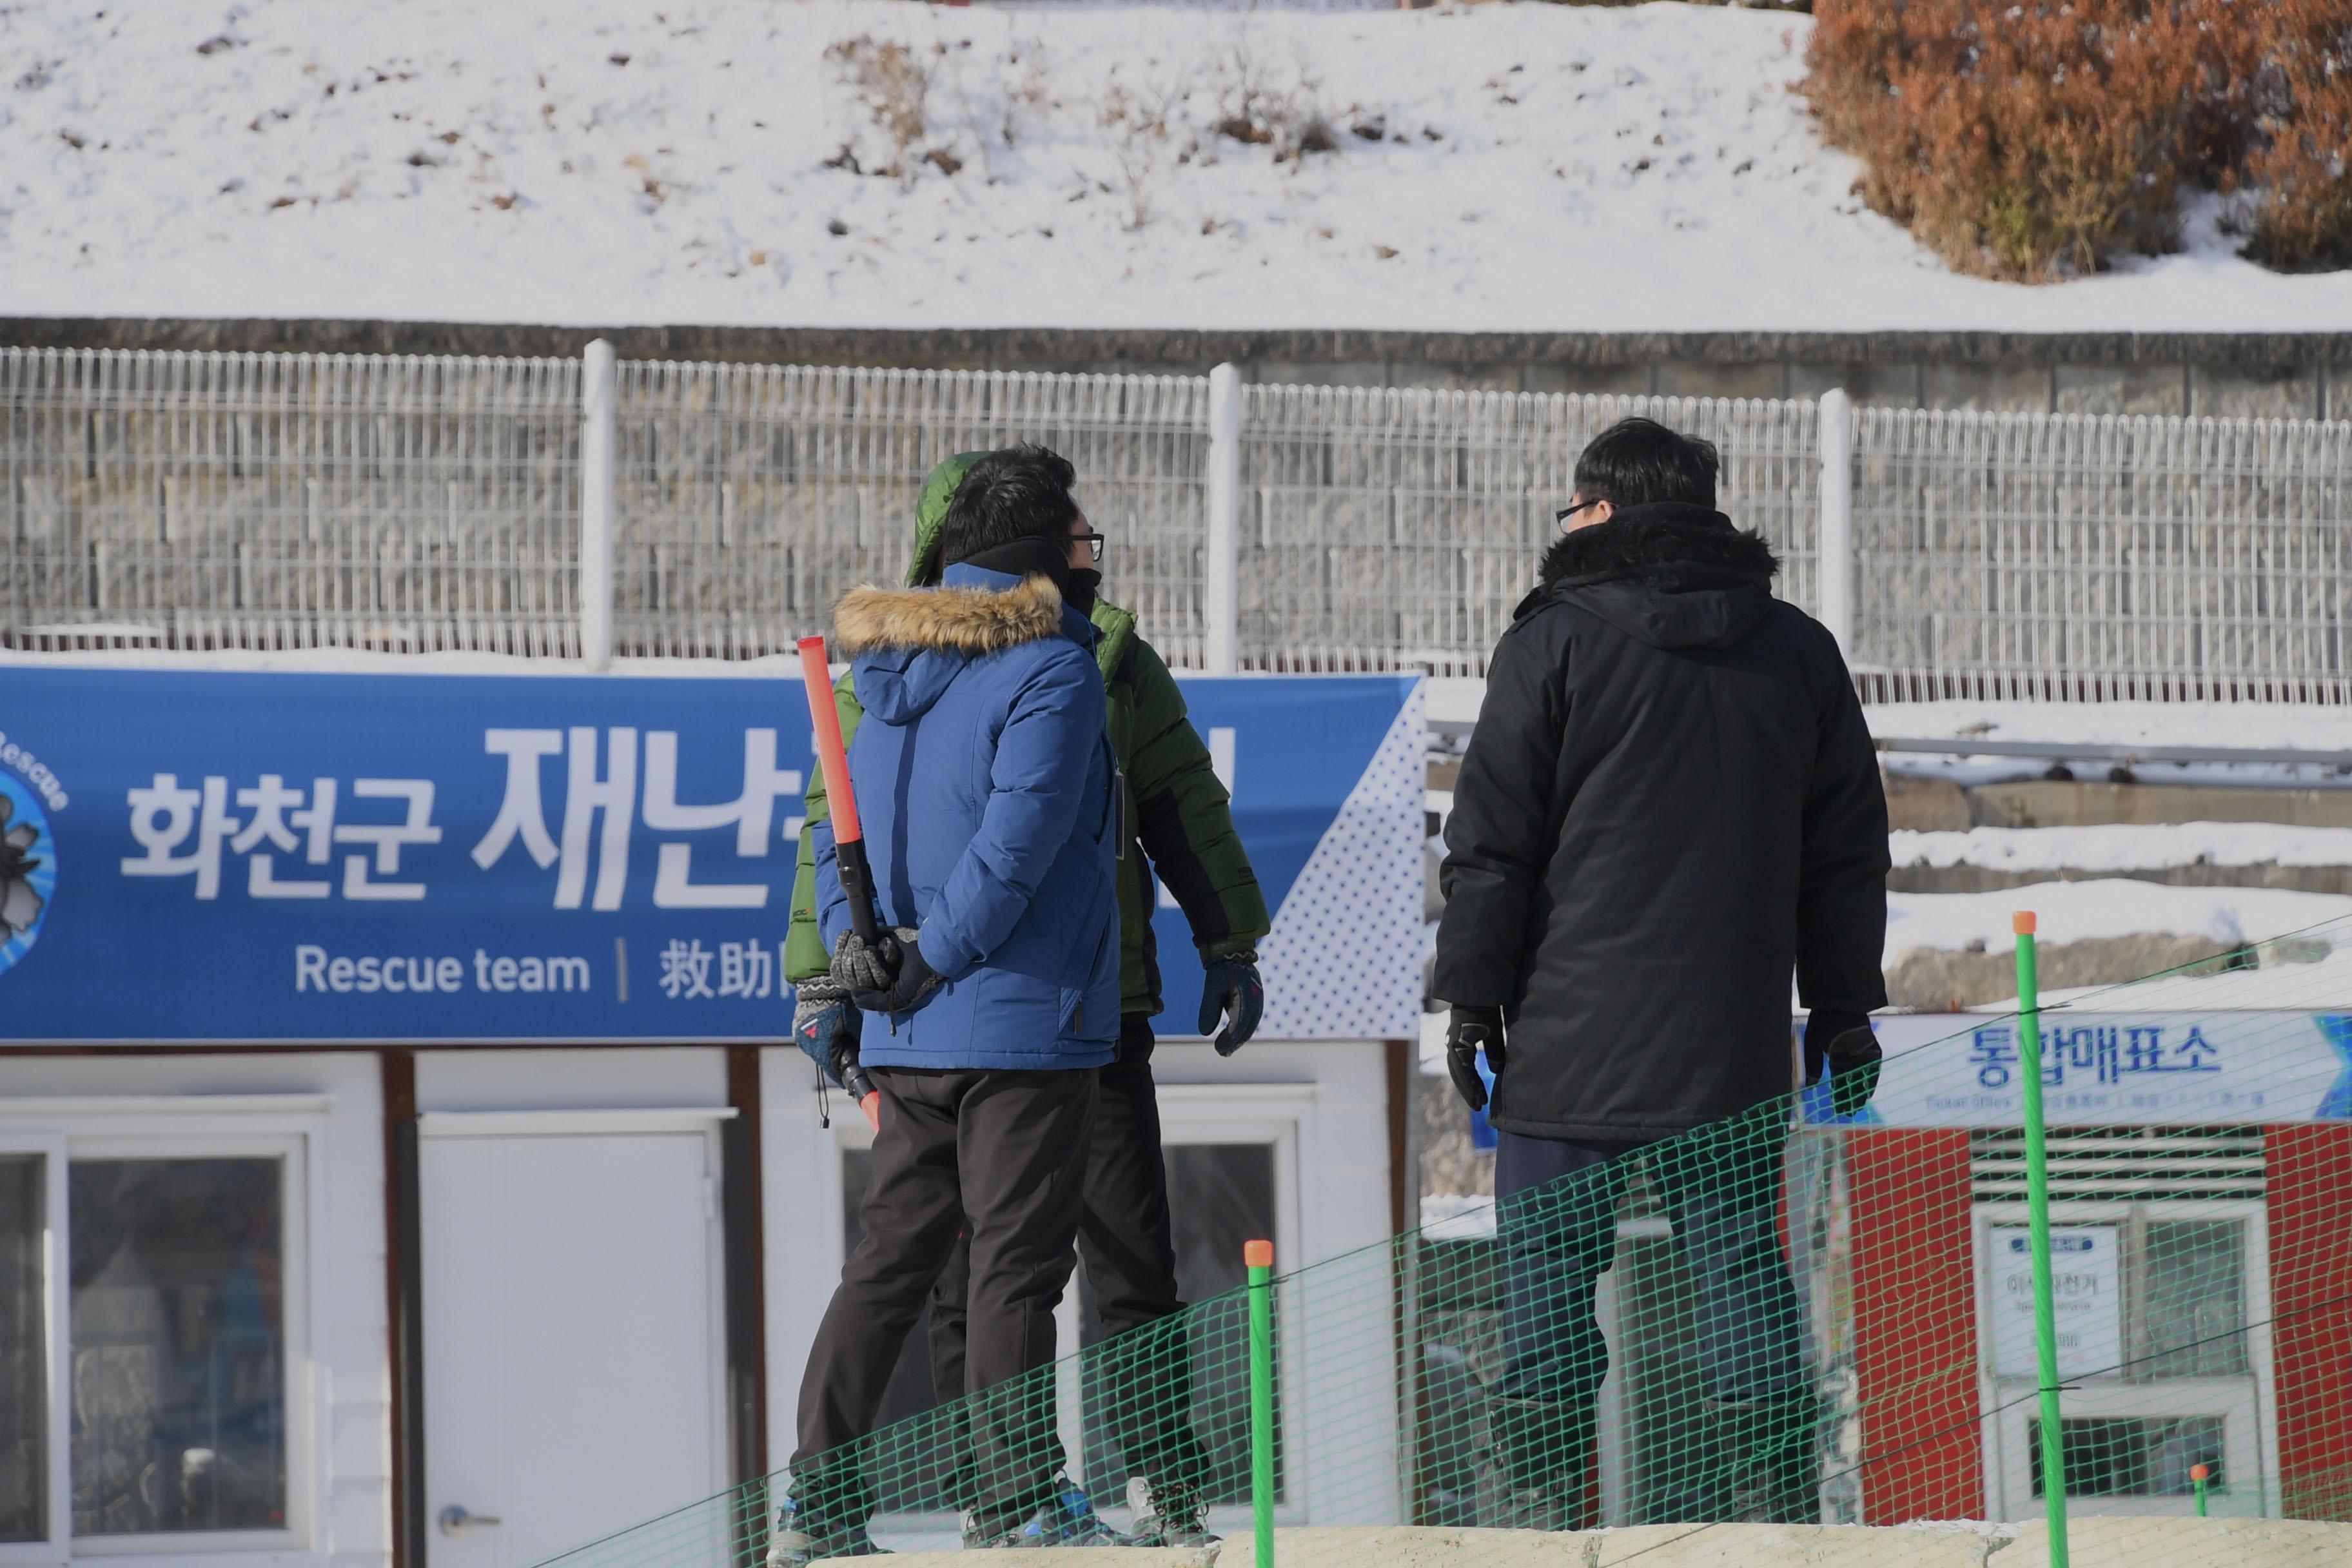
column 1083, row 584
column 1028, row 558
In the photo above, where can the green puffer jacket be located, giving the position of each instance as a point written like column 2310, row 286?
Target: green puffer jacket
column 1179, row 822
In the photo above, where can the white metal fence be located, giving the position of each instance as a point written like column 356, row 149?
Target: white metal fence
column 538, row 507
column 272, row 500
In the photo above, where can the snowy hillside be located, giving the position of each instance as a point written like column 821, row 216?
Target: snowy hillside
column 763, row 162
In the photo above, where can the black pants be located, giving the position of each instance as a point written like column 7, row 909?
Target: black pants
column 1002, row 1152
column 1556, row 1229
column 1127, row 1242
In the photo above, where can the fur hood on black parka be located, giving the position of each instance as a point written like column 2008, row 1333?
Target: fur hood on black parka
column 1673, row 575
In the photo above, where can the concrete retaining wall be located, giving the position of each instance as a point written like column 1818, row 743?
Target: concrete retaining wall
column 2268, row 375
column 2096, row 1542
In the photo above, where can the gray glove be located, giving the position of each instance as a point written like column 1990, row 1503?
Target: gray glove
column 857, row 967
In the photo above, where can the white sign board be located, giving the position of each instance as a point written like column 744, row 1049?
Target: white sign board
column 2159, row 1069
column 2085, row 1289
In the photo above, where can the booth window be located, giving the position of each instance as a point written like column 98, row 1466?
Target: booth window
column 24, row 1359
column 178, row 1345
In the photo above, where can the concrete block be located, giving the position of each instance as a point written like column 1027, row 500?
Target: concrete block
column 2122, row 389
column 1498, row 377
column 1685, row 378
column 2094, row 1541
column 1059, row 1557
column 1587, row 380
column 2052, row 803
column 1318, row 372
column 2254, row 392
column 1401, row 1546
column 2012, row 388
column 1919, row 802
column 1881, row 386
column 1791, row 1545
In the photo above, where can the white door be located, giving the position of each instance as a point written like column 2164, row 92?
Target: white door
column 574, row 1350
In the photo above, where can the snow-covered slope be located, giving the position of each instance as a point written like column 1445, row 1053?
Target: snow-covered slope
column 1495, row 167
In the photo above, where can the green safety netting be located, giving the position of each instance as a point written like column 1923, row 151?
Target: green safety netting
column 1791, row 1317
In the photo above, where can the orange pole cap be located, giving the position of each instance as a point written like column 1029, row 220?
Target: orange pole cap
column 1258, row 1254
column 2199, row 1473
column 2022, row 923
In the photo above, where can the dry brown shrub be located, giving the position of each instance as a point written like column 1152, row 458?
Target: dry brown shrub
column 893, row 80
column 2032, row 140
column 2300, row 165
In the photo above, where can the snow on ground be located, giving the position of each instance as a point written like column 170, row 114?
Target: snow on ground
column 1492, row 167
column 2125, row 847
column 2111, row 906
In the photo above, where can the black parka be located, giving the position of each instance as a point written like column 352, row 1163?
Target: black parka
column 1670, row 802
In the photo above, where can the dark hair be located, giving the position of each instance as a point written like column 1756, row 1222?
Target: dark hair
column 1020, row 492
column 1636, row 461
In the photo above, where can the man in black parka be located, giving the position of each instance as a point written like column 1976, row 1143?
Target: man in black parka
column 1670, row 804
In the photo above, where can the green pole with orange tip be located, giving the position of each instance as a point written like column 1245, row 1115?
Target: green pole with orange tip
column 1259, row 1257
column 2037, row 1202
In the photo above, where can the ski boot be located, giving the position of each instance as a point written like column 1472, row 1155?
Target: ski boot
column 805, row 1535
column 1168, row 1516
column 1068, row 1518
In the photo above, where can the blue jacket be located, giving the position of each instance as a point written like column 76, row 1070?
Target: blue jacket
column 984, row 786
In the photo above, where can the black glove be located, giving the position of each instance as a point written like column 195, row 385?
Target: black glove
column 857, row 967
column 1233, row 990
column 1472, row 1030
column 825, row 1026
column 915, row 982
column 1844, row 1043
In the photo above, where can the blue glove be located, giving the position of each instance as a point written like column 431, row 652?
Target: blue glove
column 1232, row 990
column 825, row 1026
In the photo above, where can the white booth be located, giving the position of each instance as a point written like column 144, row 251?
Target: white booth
column 397, row 1158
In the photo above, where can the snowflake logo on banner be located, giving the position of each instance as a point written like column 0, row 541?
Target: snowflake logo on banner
column 28, row 870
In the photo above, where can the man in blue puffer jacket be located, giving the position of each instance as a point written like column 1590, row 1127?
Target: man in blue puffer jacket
column 987, row 789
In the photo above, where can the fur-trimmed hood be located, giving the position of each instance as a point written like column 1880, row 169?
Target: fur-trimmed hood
column 906, row 645
column 967, row 620
column 1671, row 574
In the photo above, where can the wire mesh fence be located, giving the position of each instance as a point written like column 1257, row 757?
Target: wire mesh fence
column 1385, row 529
column 2073, row 556
column 204, row 501
column 1817, row 1313
column 289, row 501
column 752, row 496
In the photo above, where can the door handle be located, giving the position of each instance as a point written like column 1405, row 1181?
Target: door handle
column 454, row 1519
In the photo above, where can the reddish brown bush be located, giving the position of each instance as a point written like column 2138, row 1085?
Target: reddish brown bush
column 2300, row 164
column 2030, row 140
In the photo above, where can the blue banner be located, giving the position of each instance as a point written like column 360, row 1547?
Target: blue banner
column 199, row 856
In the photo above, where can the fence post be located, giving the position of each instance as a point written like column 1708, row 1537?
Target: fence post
column 1221, row 586
column 1258, row 1257
column 597, row 380
column 1835, row 556
column 2037, row 1200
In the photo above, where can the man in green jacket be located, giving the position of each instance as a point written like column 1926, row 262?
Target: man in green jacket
column 1178, row 824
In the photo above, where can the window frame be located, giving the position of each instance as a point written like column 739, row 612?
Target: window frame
column 290, row 1128
column 55, row 1546
column 2247, row 1401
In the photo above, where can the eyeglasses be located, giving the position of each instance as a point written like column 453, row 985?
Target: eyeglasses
column 1094, row 543
column 1564, row 513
